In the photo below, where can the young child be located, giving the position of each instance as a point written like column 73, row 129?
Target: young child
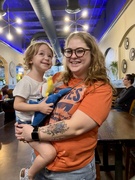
column 38, row 59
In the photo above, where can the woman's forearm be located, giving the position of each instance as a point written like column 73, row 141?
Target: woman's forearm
column 79, row 123
column 56, row 132
column 66, row 129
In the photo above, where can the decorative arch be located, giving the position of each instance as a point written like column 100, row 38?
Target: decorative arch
column 126, row 33
column 124, row 53
column 106, row 52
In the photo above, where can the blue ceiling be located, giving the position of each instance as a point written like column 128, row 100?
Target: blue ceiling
column 101, row 14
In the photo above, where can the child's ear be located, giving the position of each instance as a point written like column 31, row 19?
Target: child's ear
column 30, row 62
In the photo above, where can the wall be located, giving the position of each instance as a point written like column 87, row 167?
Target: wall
column 7, row 55
column 125, row 27
column 114, row 39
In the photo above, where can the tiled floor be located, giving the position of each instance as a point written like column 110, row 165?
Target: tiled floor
column 14, row 155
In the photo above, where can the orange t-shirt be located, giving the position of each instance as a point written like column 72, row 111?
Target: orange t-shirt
column 77, row 152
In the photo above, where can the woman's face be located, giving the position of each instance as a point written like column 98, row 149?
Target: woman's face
column 78, row 66
column 126, row 81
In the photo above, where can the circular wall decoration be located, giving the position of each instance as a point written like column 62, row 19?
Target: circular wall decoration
column 12, row 69
column 126, row 43
column 124, row 66
column 132, row 54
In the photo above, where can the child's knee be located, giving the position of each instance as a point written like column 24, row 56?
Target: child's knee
column 52, row 153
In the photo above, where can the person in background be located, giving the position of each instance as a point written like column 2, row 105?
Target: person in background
column 10, row 93
column 127, row 95
column 4, row 92
column 38, row 59
column 74, row 122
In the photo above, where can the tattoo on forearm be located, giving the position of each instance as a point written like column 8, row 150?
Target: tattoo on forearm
column 55, row 129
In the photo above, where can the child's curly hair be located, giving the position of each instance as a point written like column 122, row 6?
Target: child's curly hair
column 32, row 50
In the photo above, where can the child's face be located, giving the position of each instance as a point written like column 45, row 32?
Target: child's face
column 43, row 59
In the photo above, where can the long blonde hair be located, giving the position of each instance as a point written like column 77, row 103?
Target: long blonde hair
column 97, row 70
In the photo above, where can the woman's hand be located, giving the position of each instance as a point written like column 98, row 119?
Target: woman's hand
column 23, row 132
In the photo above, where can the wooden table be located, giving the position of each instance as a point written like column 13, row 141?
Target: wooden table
column 118, row 129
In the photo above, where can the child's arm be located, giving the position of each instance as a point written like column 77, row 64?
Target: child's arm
column 53, row 98
column 20, row 104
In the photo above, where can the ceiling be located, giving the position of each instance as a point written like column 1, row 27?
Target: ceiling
column 44, row 19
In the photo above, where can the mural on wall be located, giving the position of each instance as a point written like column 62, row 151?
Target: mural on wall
column 12, row 73
column 2, row 74
column 19, row 72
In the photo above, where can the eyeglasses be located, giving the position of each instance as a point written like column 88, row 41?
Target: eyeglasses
column 79, row 52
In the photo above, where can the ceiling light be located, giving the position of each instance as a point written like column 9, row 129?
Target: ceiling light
column 2, row 12
column 1, row 29
column 84, row 13
column 9, row 37
column 18, row 30
column 75, row 22
column 18, row 21
column 10, row 24
column 72, row 7
column 86, row 27
column 67, row 19
column 66, row 28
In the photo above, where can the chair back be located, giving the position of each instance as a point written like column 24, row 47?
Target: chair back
column 132, row 108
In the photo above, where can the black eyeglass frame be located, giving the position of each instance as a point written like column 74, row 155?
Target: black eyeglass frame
column 75, row 50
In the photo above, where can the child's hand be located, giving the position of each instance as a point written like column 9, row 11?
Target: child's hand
column 44, row 107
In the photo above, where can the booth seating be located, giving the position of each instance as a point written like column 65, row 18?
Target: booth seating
column 7, row 107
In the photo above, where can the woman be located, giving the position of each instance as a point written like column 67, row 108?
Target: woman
column 127, row 95
column 73, row 125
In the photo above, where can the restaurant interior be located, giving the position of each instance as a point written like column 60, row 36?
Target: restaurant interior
column 112, row 24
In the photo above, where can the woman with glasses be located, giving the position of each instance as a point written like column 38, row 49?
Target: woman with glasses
column 73, row 125
column 127, row 95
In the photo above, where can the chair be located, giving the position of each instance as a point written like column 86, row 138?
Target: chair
column 127, row 149
column 132, row 108
column 130, row 147
column 97, row 161
column 132, row 164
